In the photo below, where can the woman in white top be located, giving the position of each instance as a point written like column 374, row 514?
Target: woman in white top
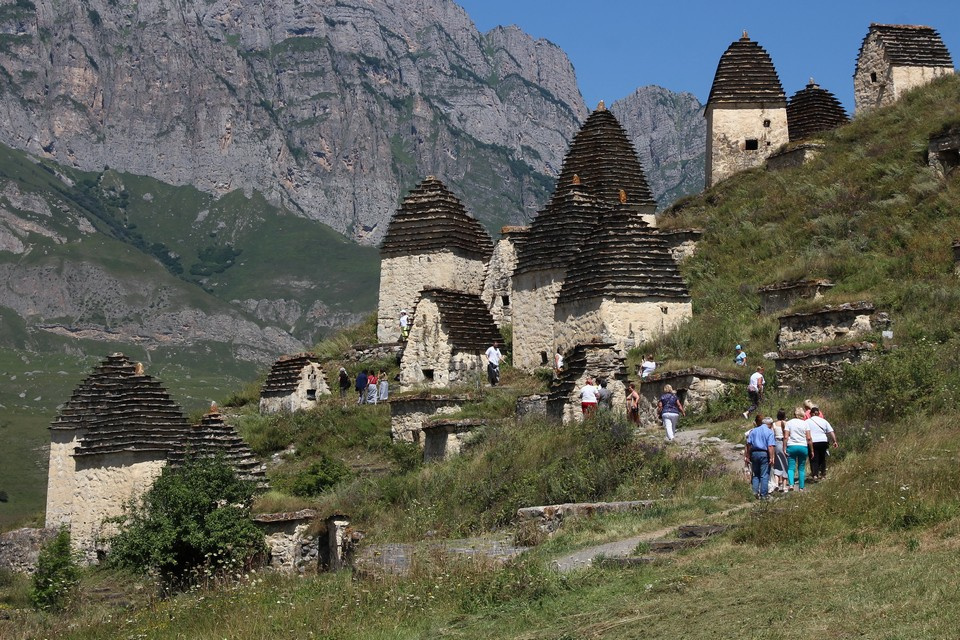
column 647, row 367
column 820, row 434
column 796, row 435
column 780, row 462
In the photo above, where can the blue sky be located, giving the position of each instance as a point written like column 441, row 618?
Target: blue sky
column 619, row 45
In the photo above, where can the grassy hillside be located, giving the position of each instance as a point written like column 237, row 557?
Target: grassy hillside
column 870, row 552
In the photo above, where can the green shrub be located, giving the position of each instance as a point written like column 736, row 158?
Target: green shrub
column 316, row 478
column 193, row 521
column 57, row 574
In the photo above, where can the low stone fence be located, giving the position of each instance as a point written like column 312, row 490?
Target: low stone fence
column 534, row 405
column 780, row 295
column 794, row 156
column 19, row 548
column 694, row 386
column 818, row 367
column 827, row 324
column 444, row 438
column 408, row 414
column 549, row 518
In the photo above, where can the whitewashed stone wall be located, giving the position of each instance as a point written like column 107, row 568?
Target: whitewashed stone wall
column 499, row 280
column 891, row 82
column 402, row 278
column 625, row 323
column 103, row 486
column 534, row 296
column 60, row 478
column 728, row 129
column 694, row 390
column 821, row 327
column 311, row 379
column 429, row 348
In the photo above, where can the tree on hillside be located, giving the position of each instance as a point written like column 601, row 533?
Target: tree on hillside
column 192, row 523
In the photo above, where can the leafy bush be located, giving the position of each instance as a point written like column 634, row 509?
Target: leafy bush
column 57, row 574
column 193, row 520
column 319, row 476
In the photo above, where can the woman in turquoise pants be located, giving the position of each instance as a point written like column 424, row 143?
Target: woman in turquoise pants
column 796, row 435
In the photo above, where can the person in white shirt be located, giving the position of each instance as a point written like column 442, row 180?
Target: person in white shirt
column 404, row 324
column 558, row 363
column 647, row 367
column 493, row 363
column 755, row 391
column 588, row 398
column 796, row 434
column 821, row 433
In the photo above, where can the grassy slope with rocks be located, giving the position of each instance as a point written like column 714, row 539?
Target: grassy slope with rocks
column 873, row 549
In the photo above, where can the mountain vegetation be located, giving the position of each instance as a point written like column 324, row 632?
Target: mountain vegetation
column 871, row 550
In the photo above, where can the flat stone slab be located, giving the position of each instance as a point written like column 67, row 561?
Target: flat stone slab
column 577, row 509
column 679, row 544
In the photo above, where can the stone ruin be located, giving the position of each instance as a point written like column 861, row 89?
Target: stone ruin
column 294, row 383
column 431, row 242
column 449, row 334
column 601, row 184
column 597, row 360
column 443, row 438
column 694, row 386
column 895, row 58
column 682, row 243
column 498, row 285
column 112, row 439
column 781, row 295
column 943, row 152
column 409, row 413
column 818, row 367
column 297, row 544
column 746, row 111
column 826, row 324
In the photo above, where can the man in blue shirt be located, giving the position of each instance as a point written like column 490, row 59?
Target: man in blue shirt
column 760, row 455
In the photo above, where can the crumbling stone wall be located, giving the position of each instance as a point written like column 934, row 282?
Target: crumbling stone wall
column 779, row 296
column 404, row 277
column 408, row 414
column 824, row 325
column 626, row 323
column 820, row 367
column 498, row 283
column 291, row 548
column 793, row 157
column 596, row 361
column 534, row 296
column 729, row 126
column 445, row 438
column 682, row 242
column 311, row 385
column 20, row 548
column 695, row 387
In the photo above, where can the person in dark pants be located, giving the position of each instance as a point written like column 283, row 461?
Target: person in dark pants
column 755, row 391
column 821, row 433
column 760, row 455
column 361, row 386
column 344, row 382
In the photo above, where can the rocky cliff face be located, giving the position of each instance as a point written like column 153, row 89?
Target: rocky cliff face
column 330, row 107
column 669, row 132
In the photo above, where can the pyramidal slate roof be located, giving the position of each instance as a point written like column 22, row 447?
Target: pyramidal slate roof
column 119, row 408
column 812, row 110
column 606, row 162
column 284, row 376
column 214, row 437
column 909, row 45
column 466, row 318
column 624, row 258
column 746, row 73
column 560, row 229
column 432, row 219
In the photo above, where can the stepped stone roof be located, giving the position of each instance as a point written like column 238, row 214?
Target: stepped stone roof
column 432, row 219
column 624, row 258
column 603, row 158
column 214, row 437
column 118, row 408
column 558, row 232
column 909, row 45
column 812, row 110
column 284, row 376
column 466, row 318
column 746, row 73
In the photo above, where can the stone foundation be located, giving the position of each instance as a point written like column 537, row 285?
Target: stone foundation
column 845, row 321
column 781, row 295
column 818, row 367
column 535, row 405
column 408, row 414
column 443, row 439
column 695, row 387
column 794, row 156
